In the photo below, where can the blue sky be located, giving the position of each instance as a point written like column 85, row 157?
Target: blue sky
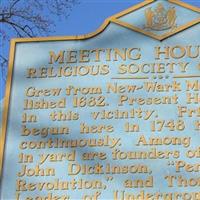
column 87, row 16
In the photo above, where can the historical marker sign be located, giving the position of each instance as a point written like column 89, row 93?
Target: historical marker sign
column 109, row 115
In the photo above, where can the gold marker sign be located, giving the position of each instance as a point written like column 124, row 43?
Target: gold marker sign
column 110, row 115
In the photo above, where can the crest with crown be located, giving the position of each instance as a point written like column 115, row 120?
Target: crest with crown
column 160, row 18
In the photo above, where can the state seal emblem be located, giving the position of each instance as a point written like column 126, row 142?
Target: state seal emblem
column 160, row 18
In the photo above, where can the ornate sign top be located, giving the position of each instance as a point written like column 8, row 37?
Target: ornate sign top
column 159, row 19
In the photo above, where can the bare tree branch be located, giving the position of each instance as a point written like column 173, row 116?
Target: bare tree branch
column 15, row 26
column 29, row 18
column 4, row 63
column 13, row 4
